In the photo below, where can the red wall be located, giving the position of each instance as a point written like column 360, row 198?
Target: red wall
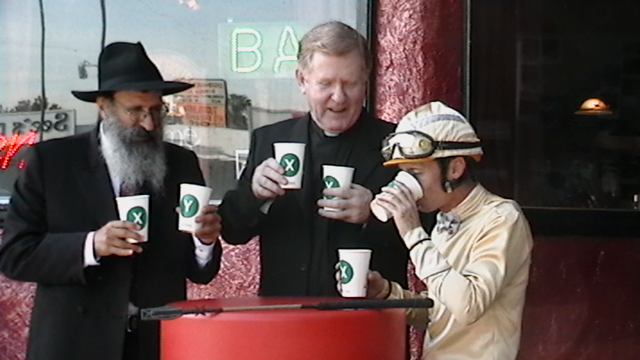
column 419, row 46
column 582, row 300
column 15, row 309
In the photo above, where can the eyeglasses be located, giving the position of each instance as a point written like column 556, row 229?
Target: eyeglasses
column 156, row 113
column 415, row 144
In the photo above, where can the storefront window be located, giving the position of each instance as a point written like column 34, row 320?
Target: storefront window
column 555, row 94
column 241, row 56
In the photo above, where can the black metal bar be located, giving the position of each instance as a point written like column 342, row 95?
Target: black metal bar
column 170, row 312
column 372, row 304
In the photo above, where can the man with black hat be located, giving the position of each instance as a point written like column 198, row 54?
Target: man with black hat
column 62, row 229
column 475, row 262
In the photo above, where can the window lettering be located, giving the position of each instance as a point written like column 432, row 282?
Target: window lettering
column 246, row 34
column 287, row 35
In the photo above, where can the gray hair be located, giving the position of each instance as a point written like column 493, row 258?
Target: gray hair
column 134, row 163
column 333, row 38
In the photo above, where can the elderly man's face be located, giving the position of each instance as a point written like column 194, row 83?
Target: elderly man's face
column 132, row 124
column 335, row 87
column 139, row 114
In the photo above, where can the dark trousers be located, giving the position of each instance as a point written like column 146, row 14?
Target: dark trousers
column 130, row 350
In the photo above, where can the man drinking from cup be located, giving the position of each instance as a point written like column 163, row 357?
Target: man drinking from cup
column 475, row 262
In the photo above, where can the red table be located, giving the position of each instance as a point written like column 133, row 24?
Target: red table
column 282, row 334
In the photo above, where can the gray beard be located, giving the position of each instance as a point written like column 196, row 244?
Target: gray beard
column 132, row 160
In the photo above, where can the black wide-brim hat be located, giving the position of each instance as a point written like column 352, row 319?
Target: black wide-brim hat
column 126, row 66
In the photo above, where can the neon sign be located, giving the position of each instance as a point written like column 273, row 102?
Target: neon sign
column 10, row 146
column 259, row 50
column 253, row 48
column 254, row 39
column 19, row 129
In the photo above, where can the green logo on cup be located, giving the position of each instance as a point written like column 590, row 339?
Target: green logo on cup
column 330, row 182
column 189, row 206
column 291, row 164
column 137, row 215
column 346, row 272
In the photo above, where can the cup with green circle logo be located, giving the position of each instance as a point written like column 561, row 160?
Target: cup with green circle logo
column 403, row 177
column 353, row 266
column 334, row 176
column 193, row 198
column 136, row 210
column 290, row 155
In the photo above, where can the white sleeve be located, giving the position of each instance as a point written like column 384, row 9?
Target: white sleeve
column 89, row 255
column 204, row 252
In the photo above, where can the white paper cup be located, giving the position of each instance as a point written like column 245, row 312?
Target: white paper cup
column 409, row 181
column 192, row 199
column 353, row 266
column 334, row 176
column 378, row 211
column 135, row 209
column 291, row 157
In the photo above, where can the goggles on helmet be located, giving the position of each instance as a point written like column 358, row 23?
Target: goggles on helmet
column 415, row 144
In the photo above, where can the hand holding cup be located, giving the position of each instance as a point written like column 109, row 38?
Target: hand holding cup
column 210, row 226
column 112, row 239
column 334, row 176
column 135, row 209
column 196, row 216
column 290, row 156
column 352, row 204
column 409, row 181
column 399, row 203
column 268, row 179
column 193, row 199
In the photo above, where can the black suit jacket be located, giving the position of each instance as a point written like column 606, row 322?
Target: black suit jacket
column 80, row 313
column 286, row 249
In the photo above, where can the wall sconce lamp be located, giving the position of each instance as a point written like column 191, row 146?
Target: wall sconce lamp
column 594, row 106
column 82, row 69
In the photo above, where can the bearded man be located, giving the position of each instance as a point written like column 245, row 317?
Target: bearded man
column 62, row 229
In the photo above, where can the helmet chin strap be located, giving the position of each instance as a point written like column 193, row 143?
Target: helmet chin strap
column 449, row 185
